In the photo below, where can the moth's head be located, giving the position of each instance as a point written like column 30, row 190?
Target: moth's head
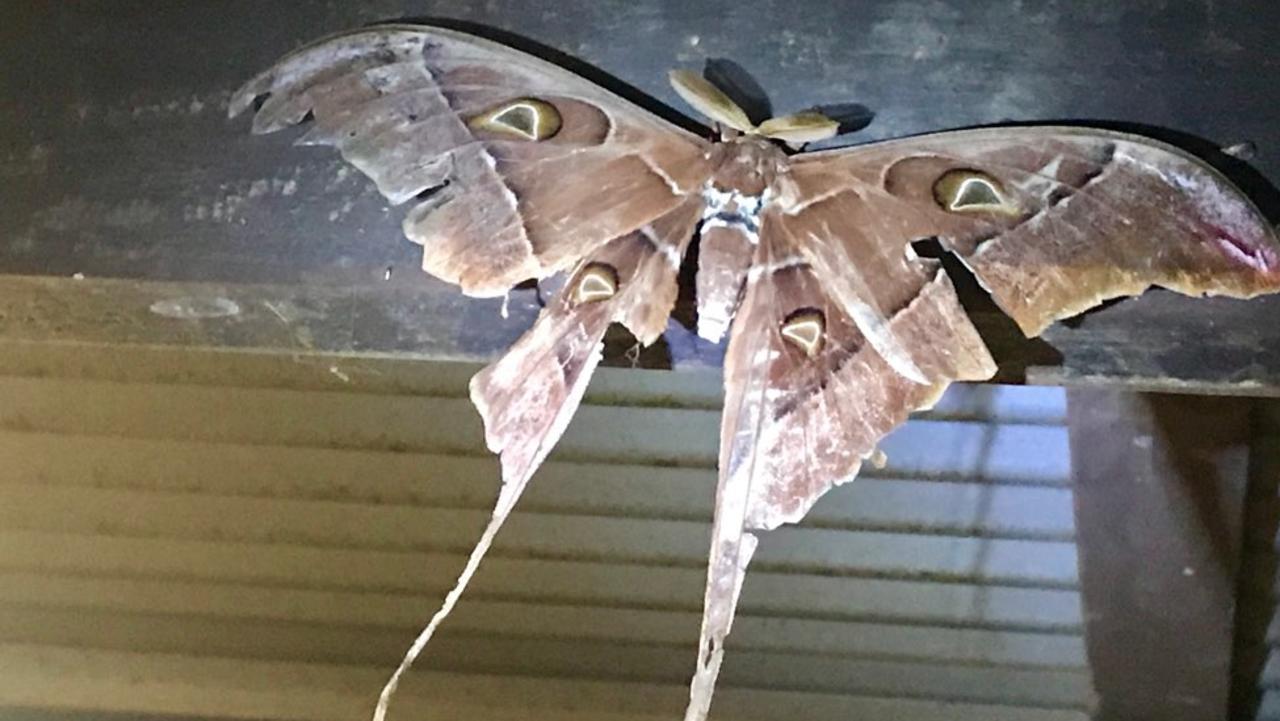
column 795, row 130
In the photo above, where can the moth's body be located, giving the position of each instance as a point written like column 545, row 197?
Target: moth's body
column 748, row 170
column 836, row 331
column 748, row 165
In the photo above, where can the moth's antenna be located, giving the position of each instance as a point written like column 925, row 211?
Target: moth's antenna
column 709, row 101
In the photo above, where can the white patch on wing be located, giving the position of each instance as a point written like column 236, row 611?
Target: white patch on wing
column 872, row 324
column 910, row 253
column 795, row 207
column 759, row 269
column 668, row 251
column 712, row 326
column 1051, row 168
column 658, row 171
column 1043, row 181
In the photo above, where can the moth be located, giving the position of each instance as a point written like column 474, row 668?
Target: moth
column 514, row 168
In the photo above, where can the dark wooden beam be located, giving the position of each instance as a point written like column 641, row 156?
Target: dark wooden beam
column 1144, row 347
column 1165, row 342
column 1160, row 483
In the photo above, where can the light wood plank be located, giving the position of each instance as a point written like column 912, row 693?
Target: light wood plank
column 254, row 582
column 65, row 623
column 33, row 675
column 636, row 491
column 357, row 526
column 333, row 419
column 380, row 373
column 1029, row 453
column 557, row 657
column 376, row 373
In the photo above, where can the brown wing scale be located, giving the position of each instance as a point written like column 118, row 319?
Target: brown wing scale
column 529, row 167
column 528, row 396
column 1072, row 216
column 842, row 331
column 807, row 398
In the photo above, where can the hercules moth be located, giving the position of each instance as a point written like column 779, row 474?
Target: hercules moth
column 517, row 169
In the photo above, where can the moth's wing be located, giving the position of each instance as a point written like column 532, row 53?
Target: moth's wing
column 1051, row 220
column 527, row 397
column 523, row 167
column 800, row 419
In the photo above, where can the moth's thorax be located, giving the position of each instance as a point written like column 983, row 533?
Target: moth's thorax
column 744, row 180
column 747, row 165
column 746, row 170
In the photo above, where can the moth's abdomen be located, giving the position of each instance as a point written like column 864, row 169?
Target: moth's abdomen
column 724, row 257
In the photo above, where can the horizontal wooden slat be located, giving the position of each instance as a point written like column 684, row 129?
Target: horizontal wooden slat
column 174, row 684
column 544, row 657
column 182, row 516
column 979, row 451
column 1030, row 453
column 324, row 419
column 477, row 618
column 347, row 587
column 425, row 318
column 332, row 419
column 380, row 373
column 403, row 479
column 1006, row 403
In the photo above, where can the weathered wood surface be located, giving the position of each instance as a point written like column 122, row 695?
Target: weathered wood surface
column 118, row 161
column 1160, row 487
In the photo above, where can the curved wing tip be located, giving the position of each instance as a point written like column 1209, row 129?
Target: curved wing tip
column 263, row 83
column 240, row 101
column 244, row 96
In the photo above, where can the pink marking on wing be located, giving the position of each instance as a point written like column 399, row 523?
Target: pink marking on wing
column 1260, row 257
